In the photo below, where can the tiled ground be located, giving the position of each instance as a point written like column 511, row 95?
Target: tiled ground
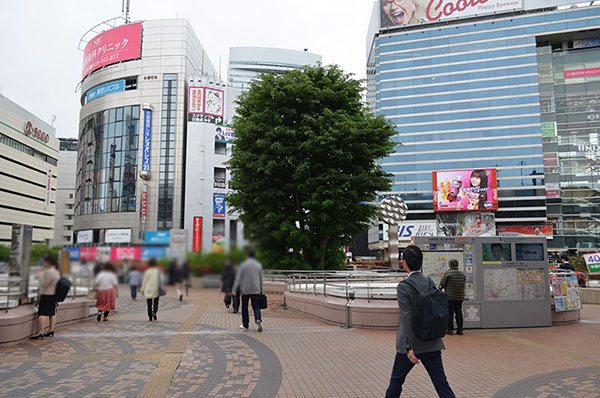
column 196, row 350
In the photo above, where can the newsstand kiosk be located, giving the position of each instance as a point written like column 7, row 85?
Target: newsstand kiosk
column 507, row 278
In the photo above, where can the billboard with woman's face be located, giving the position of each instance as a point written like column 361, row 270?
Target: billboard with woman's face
column 465, row 190
column 406, row 12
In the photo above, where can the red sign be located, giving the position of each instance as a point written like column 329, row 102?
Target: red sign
column 36, row 133
column 550, row 160
column 125, row 253
column 465, row 190
column 581, row 73
column 87, row 253
column 122, row 43
column 534, row 230
column 197, row 234
column 144, row 202
column 553, row 193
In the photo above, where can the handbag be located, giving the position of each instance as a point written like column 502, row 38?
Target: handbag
column 162, row 290
column 227, row 299
column 92, row 294
column 262, row 301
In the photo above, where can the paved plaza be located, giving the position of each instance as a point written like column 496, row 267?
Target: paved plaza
column 196, row 350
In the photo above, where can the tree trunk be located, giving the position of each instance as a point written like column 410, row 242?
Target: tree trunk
column 323, row 247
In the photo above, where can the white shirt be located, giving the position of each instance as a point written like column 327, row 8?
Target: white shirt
column 412, row 272
column 106, row 280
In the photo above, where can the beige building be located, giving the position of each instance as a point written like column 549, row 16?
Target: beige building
column 28, row 172
column 65, row 192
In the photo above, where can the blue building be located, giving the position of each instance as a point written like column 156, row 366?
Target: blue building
column 474, row 91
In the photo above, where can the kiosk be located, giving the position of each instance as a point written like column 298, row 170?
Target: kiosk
column 507, row 278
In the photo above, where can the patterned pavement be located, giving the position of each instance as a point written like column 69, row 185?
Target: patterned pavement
column 196, row 350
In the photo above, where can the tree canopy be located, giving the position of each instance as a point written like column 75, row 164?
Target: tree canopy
column 304, row 165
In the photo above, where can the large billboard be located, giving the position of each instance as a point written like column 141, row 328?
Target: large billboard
column 122, row 43
column 533, row 230
column 206, row 105
column 466, row 224
column 465, row 190
column 408, row 12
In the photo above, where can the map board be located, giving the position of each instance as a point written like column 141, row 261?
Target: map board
column 436, row 263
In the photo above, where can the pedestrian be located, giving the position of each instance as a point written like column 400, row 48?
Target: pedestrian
column 135, row 281
column 565, row 264
column 249, row 281
column 151, row 288
column 453, row 283
column 409, row 349
column 49, row 277
column 108, row 290
column 227, row 281
column 180, row 279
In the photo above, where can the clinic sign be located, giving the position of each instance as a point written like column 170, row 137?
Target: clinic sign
column 147, row 140
column 410, row 12
column 593, row 262
column 104, row 89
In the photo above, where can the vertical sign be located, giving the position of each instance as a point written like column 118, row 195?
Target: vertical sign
column 48, row 187
column 219, row 205
column 147, row 140
column 144, row 202
column 197, row 246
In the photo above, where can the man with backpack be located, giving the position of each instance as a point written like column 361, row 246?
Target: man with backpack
column 423, row 322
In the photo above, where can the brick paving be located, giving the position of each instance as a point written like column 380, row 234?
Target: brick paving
column 196, row 350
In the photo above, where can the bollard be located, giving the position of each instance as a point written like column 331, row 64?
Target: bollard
column 349, row 310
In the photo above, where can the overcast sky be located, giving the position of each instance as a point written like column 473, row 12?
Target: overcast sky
column 40, row 64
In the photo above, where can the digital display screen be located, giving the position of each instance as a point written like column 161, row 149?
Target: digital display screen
column 496, row 252
column 530, row 252
column 465, row 190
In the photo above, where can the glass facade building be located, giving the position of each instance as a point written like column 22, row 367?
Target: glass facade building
column 473, row 94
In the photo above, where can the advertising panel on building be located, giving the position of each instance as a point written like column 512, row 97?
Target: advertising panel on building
column 48, row 188
column 125, row 253
column 464, row 190
column 122, row 43
column 157, row 237
column 197, row 241
column 206, row 105
column 87, row 253
column 534, row 230
column 117, row 235
column 466, row 224
column 156, row 252
column 104, row 89
column 219, row 205
column 409, row 12
column 224, row 134
column 409, row 229
column 85, row 236
column 147, row 140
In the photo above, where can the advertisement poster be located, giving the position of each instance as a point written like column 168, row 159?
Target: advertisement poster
column 219, row 205
column 592, row 261
column 566, row 293
column 197, row 236
column 87, row 253
column 206, row 105
column 465, row 190
column 117, row 235
column 408, row 12
column 534, row 230
column 466, row 224
column 104, row 89
column 153, row 252
column 157, row 237
column 218, row 243
column 224, row 134
column 86, row 236
column 120, row 44
column 147, row 140
column 569, row 74
column 125, row 253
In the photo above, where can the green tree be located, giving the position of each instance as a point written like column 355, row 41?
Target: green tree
column 304, row 165
column 4, row 253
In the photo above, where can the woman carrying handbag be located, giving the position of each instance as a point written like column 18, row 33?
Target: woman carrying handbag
column 152, row 287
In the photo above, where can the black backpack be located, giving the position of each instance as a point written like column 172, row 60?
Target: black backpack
column 431, row 320
column 62, row 289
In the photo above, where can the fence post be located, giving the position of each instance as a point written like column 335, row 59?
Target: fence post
column 325, row 284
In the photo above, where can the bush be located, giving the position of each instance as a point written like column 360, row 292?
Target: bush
column 4, row 253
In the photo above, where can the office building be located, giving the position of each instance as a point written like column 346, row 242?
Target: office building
column 65, row 192
column 28, row 172
column 512, row 90
column 247, row 63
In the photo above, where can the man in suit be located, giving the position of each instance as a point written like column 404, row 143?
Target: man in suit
column 409, row 349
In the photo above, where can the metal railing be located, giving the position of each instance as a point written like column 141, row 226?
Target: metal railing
column 349, row 285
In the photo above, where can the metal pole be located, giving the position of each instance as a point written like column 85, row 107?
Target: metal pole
column 325, row 284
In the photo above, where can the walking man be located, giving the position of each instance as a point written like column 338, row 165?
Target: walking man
column 453, row 283
column 409, row 349
column 249, row 282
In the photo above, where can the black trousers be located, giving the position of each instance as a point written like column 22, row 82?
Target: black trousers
column 152, row 311
column 235, row 300
column 433, row 364
column 254, row 299
column 455, row 307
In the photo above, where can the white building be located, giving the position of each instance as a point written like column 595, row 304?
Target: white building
column 28, row 172
column 247, row 63
column 65, row 192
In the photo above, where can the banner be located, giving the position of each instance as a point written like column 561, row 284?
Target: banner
column 87, row 253
column 534, row 230
column 219, row 205
column 197, row 237
column 85, row 236
column 206, row 105
column 409, row 12
column 73, row 253
column 125, row 253
column 465, row 190
column 117, row 235
column 48, row 188
column 104, row 89
column 157, row 237
column 147, row 140
column 224, row 134
column 120, row 44
column 409, row 229
column 153, row 252
column 593, row 263
column 466, row 224
column 144, row 202
column 569, row 74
